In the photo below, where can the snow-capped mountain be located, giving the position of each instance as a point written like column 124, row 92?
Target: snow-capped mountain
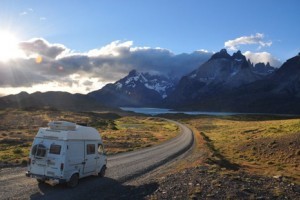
column 158, row 83
column 136, row 89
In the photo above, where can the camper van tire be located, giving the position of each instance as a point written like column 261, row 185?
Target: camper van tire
column 73, row 182
column 102, row 171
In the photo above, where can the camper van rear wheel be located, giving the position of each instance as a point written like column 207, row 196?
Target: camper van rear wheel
column 73, row 182
column 102, row 171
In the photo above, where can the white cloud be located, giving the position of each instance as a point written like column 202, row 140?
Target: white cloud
column 264, row 57
column 43, row 18
column 26, row 12
column 247, row 40
column 23, row 13
column 203, row 50
column 115, row 48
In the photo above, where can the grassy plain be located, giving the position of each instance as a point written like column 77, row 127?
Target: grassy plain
column 262, row 145
column 120, row 134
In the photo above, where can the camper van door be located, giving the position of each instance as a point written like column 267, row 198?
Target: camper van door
column 90, row 157
column 46, row 155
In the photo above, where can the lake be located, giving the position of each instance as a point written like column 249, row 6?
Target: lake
column 157, row 111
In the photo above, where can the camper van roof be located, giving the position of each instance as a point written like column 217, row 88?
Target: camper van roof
column 62, row 130
column 62, row 125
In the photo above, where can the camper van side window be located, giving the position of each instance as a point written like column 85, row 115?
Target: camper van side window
column 55, row 149
column 39, row 150
column 90, row 149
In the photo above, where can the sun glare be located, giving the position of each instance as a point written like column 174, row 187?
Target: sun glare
column 8, row 46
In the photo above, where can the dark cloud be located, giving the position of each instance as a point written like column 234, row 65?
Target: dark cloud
column 107, row 64
column 42, row 47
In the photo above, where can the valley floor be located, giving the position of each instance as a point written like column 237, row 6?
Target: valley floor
column 212, row 171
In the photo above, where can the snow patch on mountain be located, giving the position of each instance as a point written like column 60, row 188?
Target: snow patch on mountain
column 119, row 86
column 158, row 83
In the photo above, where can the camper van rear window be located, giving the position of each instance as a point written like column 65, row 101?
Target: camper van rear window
column 55, row 149
column 38, row 150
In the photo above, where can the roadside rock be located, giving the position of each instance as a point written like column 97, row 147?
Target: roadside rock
column 210, row 182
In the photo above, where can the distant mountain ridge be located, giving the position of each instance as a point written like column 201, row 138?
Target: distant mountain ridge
column 53, row 100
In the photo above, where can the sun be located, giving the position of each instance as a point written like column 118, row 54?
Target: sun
column 9, row 48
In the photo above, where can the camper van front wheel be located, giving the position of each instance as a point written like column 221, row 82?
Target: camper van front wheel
column 73, row 182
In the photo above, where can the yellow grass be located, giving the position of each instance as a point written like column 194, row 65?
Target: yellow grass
column 268, row 147
column 132, row 133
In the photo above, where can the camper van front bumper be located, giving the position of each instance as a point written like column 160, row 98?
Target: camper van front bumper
column 46, row 178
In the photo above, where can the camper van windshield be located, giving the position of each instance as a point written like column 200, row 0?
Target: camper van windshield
column 39, row 150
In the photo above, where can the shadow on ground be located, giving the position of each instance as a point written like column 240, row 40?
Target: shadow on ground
column 95, row 188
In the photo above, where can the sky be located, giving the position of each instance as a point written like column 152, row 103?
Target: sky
column 79, row 46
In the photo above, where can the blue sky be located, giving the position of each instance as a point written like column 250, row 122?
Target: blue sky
column 177, row 26
column 181, row 26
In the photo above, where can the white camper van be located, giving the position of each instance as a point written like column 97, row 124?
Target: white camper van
column 66, row 152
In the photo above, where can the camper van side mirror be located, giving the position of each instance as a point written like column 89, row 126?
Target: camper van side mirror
column 101, row 149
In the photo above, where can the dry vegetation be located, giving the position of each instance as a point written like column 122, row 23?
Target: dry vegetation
column 268, row 147
column 120, row 134
column 130, row 133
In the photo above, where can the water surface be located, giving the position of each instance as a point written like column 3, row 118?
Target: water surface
column 157, row 111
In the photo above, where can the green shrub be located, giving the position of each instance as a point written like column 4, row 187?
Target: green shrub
column 17, row 151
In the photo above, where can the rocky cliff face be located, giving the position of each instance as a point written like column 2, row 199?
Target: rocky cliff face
column 219, row 74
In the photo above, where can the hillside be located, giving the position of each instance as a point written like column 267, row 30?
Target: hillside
column 52, row 100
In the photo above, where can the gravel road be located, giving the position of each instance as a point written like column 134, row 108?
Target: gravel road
column 121, row 168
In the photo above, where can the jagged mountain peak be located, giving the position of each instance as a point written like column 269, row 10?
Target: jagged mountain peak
column 238, row 55
column 221, row 54
column 224, row 69
column 263, row 69
column 133, row 73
